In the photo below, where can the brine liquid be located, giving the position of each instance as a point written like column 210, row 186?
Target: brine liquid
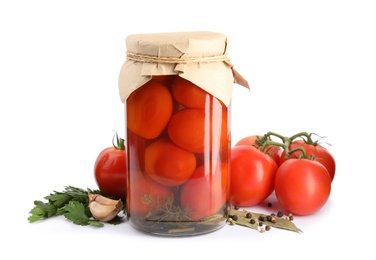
column 178, row 145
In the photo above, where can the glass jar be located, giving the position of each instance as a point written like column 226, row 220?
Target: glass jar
column 177, row 133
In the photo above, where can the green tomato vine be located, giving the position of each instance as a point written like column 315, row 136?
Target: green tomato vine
column 285, row 142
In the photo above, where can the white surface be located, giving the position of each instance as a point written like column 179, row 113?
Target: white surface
column 311, row 66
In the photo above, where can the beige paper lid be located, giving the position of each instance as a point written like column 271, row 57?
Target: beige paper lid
column 200, row 57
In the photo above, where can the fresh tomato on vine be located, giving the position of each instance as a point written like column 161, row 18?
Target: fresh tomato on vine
column 255, row 140
column 302, row 186
column 110, row 169
column 319, row 153
column 252, row 175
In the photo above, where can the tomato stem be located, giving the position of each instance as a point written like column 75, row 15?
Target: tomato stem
column 303, row 134
column 267, row 136
column 266, row 143
column 303, row 155
column 119, row 142
column 317, row 141
column 286, row 141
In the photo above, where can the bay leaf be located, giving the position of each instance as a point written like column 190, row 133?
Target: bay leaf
column 241, row 219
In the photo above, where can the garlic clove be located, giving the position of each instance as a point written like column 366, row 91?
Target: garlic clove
column 103, row 212
column 103, row 208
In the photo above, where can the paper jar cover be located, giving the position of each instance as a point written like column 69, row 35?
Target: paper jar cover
column 200, row 57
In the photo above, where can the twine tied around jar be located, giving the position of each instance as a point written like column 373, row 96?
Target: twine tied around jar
column 156, row 59
column 200, row 57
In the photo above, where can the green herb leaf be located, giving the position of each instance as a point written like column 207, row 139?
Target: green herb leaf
column 72, row 203
column 116, row 221
column 62, row 198
column 95, row 223
column 76, row 212
column 41, row 210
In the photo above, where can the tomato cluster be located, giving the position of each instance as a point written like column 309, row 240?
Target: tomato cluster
column 298, row 170
column 177, row 141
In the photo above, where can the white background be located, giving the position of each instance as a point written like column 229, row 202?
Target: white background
column 311, row 66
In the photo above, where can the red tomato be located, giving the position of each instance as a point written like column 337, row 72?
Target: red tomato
column 205, row 193
column 320, row 153
column 273, row 150
column 302, row 186
column 169, row 164
column 110, row 170
column 189, row 94
column 149, row 109
column 252, row 175
column 146, row 195
column 164, row 79
column 189, row 128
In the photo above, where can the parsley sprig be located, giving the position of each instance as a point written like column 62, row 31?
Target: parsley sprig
column 72, row 203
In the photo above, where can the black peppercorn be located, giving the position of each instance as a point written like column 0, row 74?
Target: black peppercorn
column 234, row 217
column 262, row 218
